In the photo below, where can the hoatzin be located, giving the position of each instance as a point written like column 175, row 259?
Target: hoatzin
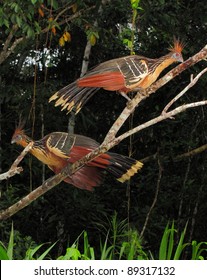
column 58, row 149
column 125, row 74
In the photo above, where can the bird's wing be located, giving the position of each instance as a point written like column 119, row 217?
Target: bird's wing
column 116, row 74
column 60, row 144
column 133, row 68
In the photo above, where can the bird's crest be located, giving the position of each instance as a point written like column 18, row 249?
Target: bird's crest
column 20, row 127
column 178, row 46
column 19, row 131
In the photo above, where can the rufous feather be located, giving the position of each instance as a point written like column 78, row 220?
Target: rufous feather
column 178, row 46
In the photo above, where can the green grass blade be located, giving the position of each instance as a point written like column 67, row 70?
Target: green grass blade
column 30, row 252
column 41, row 257
column 197, row 250
column 163, row 244
column 106, row 253
column 3, row 253
column 171, row 242
column 10, row 248
column 180, row 245
column 92, row 253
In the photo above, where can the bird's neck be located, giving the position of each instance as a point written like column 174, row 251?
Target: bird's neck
column 163, row 63
column 37, row 150
column 24, row 141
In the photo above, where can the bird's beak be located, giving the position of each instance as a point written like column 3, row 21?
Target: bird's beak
column 180, row 59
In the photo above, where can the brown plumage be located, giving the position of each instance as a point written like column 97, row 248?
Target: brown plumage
column 58, row 149
column 125, row 74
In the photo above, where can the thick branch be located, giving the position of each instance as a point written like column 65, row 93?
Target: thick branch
column 7, row 50
column 153, row 88
column 110, row 140
column 46, row 186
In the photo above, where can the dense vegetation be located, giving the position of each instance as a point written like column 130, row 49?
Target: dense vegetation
column 51, row 37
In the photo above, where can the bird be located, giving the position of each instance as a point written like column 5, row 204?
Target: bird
column 59, row 149
column 125, row 74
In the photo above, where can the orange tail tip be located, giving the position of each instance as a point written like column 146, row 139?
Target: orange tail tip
column 134, row 169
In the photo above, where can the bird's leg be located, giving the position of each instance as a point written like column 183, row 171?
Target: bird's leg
column 125, row 95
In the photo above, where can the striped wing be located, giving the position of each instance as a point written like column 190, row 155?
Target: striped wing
column 116, row 74
column 60, row 143
column 134, row 69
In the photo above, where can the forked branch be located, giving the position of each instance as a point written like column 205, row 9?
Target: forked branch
column 111, row 140
column 15, row 169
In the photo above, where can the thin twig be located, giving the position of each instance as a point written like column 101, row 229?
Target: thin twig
column 110, row 140
column 154, row 200
column 160, row 118
column 191, row 84
column 14, row 169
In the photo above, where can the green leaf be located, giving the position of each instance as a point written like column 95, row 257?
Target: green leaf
column 3, row 253
column 180, row 245
column 19, row 21
column 31, row 252
column 11, row 244
column 54, row 4
column 171, row 242
column 41, row 257
column 72, row 253
column 34, row 2
column 163, row 244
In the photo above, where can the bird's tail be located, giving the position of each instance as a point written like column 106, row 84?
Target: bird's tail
column 121, row 167
column 72, row 97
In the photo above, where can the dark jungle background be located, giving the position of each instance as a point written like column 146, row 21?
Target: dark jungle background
column 43, row 63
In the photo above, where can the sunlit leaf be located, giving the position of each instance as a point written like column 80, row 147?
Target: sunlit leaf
column 74, row 7
column 92, row 39
column 61, row 41
column 67, row 36
column 41, row 13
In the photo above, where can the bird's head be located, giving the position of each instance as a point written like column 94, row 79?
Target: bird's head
column 19, row 137
column 176, row 50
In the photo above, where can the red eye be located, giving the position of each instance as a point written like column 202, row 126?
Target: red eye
column 178, row 57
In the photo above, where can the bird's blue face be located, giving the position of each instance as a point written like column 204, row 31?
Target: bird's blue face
column 177, row 57
column 16, row 138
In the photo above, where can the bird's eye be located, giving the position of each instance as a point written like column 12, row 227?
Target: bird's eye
column 177, row 56
column 17, row 138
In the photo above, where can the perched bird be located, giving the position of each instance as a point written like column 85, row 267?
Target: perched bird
column 58, row 149
column 125, row 74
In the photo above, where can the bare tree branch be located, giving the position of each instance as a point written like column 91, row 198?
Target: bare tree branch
column 14, row 169
column 47, row 185
column 111, row 140
column 143, row 94
column 191, row 84
column 7, row 49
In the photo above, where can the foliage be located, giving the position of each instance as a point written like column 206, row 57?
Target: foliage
column 129, row 249
column 39, row 66
column 8, row 253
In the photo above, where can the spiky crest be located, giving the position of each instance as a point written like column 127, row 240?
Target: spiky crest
column 178, row 46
